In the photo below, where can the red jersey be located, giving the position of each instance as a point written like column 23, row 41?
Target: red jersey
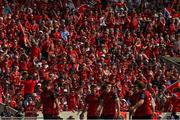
column 146, row 108
column 35, row 52
column 72, row 102
column 23, row 66
column 176, row 104
column 92, row 102
column 46, row 45
column 109, row 104
column 15, row 77
column 29, row 86
column 30, row 111
column 48, row 100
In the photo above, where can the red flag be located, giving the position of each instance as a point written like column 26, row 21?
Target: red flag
column 173, row 86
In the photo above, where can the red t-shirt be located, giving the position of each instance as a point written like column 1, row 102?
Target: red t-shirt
column 110, row 22
column 15, row 77
column 30, row 111
column 29, row 86
column 48, row 101
column 134, row 23
column 35, row 52
column 171, row 29
column 23, row 65
column 146, row 108
column 128, row 41
column 109, row 104
column 176, row 104
column 35, row 27
column 92, row 102
column 45, row 45
column 72, row 102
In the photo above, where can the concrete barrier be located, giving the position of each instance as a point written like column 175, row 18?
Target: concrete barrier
column 75, row 115
column 13, row 111
column 67, row 114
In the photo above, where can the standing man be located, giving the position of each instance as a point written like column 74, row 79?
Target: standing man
column 49, row 101
column 109, row 104
column 91, row 104
column 143, row 108
column 29, row 86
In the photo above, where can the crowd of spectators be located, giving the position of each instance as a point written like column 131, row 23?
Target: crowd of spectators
column 77, row 43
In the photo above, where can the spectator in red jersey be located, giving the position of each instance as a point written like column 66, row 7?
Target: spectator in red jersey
column 91, row 104
column 49, row 102
column 109, row 104
column 126, row 40
column 72, row 101
column 176, row 106
column 29, row 86
column 143, row 108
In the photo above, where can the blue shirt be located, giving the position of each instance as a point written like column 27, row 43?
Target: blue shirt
column 64, row 35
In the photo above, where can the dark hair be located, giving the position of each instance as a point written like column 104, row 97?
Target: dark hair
column 93, row 86
column 107, row 83
column 140, row 85
column 45, row 84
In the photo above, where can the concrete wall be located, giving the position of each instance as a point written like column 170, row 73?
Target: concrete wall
column 172, row 61
column 13, row 111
